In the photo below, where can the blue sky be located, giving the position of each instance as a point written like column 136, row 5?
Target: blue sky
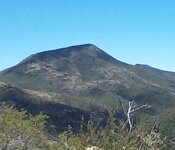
column 133, row 31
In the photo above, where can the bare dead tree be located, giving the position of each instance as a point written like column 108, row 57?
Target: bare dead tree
column 132, row 108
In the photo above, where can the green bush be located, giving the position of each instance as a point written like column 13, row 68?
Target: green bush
column 22, row 131
column 19, row 131
column 112, row 137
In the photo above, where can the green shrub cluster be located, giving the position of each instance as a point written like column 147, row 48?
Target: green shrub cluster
column 21, row 131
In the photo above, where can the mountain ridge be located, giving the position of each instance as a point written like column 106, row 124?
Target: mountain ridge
column 85, row 75
column 65, row 52
column 78, row 83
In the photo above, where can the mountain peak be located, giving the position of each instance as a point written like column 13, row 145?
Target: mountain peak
column 89, row 45
column 74, row 48
column 67, row 51
column 68, row 58
column 84, row 72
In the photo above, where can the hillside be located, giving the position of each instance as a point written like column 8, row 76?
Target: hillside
column 60, row 116
column 83, row 76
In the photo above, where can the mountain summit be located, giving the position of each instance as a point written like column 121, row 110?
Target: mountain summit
column 84, row 75
column 88, row 50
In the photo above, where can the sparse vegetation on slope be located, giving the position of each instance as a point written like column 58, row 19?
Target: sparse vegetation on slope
column 83, row 80
column 84, row 74
column 20, row 130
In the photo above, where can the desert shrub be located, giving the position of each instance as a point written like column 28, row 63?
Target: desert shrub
column 22, row 131
column 112, row 137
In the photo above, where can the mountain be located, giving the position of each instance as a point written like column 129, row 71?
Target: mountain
column 84, row 76
column 170, row 76
column 60, row 115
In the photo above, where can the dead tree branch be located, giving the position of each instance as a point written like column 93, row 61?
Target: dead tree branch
column 132, row 109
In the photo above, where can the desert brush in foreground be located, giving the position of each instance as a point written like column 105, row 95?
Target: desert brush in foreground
column 22, row 131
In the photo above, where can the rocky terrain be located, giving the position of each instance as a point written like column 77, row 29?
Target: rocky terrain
column 83, row 77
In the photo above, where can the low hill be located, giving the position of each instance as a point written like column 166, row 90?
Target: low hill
column 60, row 116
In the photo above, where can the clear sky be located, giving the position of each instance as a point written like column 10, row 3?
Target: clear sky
column 133, row 31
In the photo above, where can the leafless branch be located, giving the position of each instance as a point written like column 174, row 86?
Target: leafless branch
column 138, row 108
column 132, row 109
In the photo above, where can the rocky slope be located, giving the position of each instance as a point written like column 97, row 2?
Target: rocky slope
column 83, row 76
column 60, row 116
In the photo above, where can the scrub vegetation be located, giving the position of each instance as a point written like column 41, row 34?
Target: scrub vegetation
column 22, row 131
